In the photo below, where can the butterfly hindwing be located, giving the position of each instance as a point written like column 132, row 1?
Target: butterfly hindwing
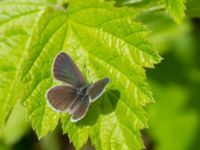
column 80, row 108
column 64, row 69
column 96, row 89
column 61, row 97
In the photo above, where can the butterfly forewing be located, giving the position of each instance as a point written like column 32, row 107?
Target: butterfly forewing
column 61, row 97
column 65, row 70
column 80, row 109
column 96, row 89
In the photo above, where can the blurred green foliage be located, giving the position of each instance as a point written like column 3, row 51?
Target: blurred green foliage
column 174, row 119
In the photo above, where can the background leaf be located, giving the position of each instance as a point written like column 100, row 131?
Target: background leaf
column 176, row 9
column 17, row 124
column 16, row 22
column 193, row 9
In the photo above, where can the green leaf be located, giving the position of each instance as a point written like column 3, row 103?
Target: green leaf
column 193, row 9
column 16, row 22
column 176, row 9
column 103, row 41
column 119, row 49
column 36, row 82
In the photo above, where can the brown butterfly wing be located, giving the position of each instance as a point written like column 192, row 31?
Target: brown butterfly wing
column 96, row 89
column 61, row 97
column 64, row 69
column 80, row 108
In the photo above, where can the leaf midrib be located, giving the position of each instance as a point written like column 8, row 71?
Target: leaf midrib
column 115, row 68
column 43, row 46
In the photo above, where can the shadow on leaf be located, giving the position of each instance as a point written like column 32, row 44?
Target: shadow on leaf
column 106, row 104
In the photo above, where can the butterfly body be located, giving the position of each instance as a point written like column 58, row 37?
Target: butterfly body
column 83, row 91
column 75, row 97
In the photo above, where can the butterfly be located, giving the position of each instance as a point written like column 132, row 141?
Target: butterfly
column 75, row 95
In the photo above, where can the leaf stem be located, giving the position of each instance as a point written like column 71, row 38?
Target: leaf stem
column 156, row 8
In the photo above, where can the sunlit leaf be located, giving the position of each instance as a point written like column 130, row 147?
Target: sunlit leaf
column 16, row 23
column 103, row 41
